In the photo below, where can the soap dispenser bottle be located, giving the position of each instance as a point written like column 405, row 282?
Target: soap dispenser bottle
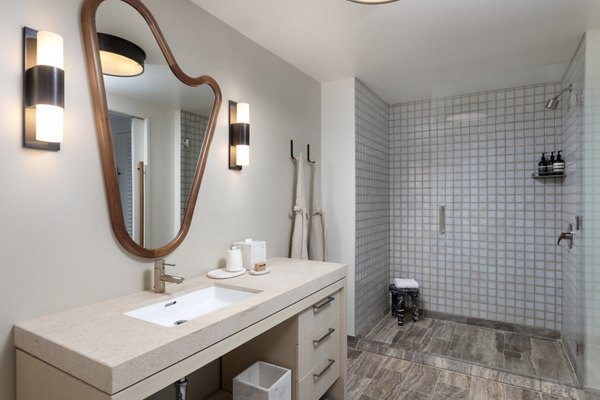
column 558, row 167
column 550, row 167
column 542, row 165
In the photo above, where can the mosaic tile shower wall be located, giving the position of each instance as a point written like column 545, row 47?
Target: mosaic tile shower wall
column 193, row 129
column 372, row 208
column 498, row 259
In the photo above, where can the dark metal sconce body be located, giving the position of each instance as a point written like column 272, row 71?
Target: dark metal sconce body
column 239, row 133
column 42, row 84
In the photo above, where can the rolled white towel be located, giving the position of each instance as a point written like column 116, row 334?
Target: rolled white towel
column 406, row 283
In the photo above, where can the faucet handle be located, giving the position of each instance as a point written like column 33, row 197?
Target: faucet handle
column 160, row 263
column 568, row 235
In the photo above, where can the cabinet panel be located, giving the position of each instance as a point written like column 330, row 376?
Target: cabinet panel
column 314, row 318
column 320, row 378
column 322, row 344
column 305, row 344
column 38, row 380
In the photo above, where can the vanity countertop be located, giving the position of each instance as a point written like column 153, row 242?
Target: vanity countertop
column 111, row 351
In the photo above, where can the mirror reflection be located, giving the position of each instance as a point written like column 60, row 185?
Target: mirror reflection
column 158, row 127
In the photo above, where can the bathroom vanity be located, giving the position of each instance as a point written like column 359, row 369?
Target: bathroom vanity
column 293, row 318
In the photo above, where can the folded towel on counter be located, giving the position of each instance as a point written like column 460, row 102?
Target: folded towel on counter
column 406, row 283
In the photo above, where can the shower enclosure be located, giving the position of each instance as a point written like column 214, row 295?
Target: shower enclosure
column 474, row 155
column 496, row 263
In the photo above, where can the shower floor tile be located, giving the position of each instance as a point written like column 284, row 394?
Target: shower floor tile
column 398, row 379
column 449, row 341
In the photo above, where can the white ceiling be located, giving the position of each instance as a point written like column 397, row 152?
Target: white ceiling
column 416, row 49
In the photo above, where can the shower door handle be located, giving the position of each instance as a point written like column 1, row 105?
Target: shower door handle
column 567, row 236
column 442, row 220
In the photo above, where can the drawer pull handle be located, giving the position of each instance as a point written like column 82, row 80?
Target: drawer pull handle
column 317, row 307
column 325, row 336
column 320, row 374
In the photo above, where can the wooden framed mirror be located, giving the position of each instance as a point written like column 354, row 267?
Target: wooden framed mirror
column 154, row 129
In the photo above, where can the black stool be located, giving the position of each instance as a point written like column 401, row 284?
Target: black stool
column 399, row 297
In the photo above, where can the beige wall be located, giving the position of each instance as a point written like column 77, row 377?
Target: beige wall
column 338, row 177
column 58, row 250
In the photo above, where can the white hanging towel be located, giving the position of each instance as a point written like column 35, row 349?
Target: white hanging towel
column 300, row 232
column 318, row 233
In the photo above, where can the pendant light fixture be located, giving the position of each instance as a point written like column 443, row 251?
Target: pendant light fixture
column 372, row 2
column 120, row 57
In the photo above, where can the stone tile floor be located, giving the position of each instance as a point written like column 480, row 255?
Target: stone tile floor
column 438, row 360
column 521, row 353
column 374, row 376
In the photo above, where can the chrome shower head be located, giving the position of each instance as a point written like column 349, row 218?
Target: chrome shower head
column 553, row 103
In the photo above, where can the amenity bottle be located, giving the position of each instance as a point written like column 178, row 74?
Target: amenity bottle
column 550, row 166
column 558, row 168
column 542, row 165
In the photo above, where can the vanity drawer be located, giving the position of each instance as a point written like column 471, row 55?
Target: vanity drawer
column 314, row 318
column 320, row 378
column 319, row 346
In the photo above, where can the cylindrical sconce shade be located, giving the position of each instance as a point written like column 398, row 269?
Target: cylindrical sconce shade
column 242, row 155
column 50, row 49
column 49, row 123
column 243, row 113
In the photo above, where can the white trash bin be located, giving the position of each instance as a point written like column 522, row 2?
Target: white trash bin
column 263, row 381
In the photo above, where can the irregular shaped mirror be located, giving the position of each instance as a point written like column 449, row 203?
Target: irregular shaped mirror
column 155, row 125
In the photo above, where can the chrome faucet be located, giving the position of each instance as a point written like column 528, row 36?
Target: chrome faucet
column 568, row 235
column 160, row 277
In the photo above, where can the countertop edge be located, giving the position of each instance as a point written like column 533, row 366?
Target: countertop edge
column 112, row 379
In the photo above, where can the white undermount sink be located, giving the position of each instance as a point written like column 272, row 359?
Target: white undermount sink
column 179, row 310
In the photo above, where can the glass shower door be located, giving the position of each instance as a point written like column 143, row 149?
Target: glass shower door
column 590, row 202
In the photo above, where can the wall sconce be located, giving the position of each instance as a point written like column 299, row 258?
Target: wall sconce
column 43, row 89
column 239, row 135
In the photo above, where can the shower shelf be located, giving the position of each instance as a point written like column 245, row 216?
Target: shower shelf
column 537, row 176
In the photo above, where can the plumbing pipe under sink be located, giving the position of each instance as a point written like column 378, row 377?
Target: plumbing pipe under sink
column 181, row 389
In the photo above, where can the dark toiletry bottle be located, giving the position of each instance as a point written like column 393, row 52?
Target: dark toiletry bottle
column 542, row 165
column 558, row 168
column 550, row 166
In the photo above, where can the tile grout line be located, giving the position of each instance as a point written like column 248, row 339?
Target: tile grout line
column 409, row 356
column 454, row 324
column 473, row 377
column 437, row 383
column 405, row 378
